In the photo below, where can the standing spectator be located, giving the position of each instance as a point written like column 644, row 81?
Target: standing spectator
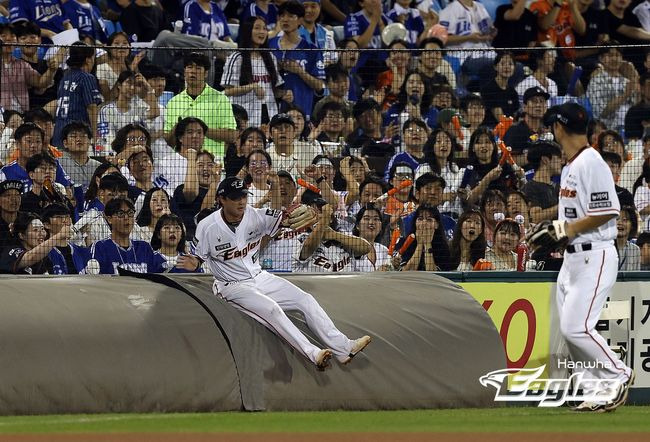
column 337, row 82
column 78, row 92
column 331, row 122
column 251, row 78
column 67, row 258
column 611, row 94
column 170, row 171
column 429, row 251
column 204, row 18
column 557, row 21
column 47, row 14
column 201, row 101
column 435, row 70
column 115, row 63
column 155, row 204
column 516, row 26
column 440, row 148
column 412, row 98
column 518, row 136
column 369, row 226
column 317, row 34
column 365, row 28
column 264, row 9
column 472, row 111
column 468, row 244
column 629, row 254
column 543, row 64
column 143, row 20
column 410, row 18
column 87, row 19
column 499, row 96
column 624, row 27
column 157, row 80
column 170, row 240
column 349, row 63
column 501, row 254
column 596, row 33
column 10, row 192
column 542, row 191
column 368, row 138
column 302, row 70
column 389, row 82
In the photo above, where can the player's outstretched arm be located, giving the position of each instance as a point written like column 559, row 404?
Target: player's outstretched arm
column 316, row 235
column 352, row 244
column 587, row 224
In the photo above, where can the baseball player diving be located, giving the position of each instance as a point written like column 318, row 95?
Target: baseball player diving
column 229, row 242
column 586, row 224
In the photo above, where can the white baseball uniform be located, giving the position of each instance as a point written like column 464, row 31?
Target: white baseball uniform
column 280, row 250
column 232, row 255
column 382, row 260
column 588, row 274
column 328, row 257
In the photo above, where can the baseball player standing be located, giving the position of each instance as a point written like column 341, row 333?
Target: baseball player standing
column 588, row 207
column 229, row 241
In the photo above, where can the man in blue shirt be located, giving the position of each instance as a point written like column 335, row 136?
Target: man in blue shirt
column 47, row 14
column 315, row 33
column 264, row 9
column 428, row 191
column 78, row 92
column 87, row 19
column 303, row 72
column 365, row 27
column 205, row 19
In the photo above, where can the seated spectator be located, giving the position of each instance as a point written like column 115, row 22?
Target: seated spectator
column 30, row 140
column 518, row 208
column 472, row 110
column 251, row 77
column 493, row 208
column 27, row 252
column 367, row 139
column 440, row 148
column 558, row 22
column 87, row 19
column 435, row 70
column 317, row 34
column 389, row 83
column 158, row 82
column 624, row 27
column 10, row 195
column 501, row 254
column 429, row 190
column 415, row 138
column 543, row 64
column 75, row 160
column 499, row 97
column 324, row 249
column 250, row 139
column 19, row 76
column 44, row 120
column 371, row 188
column 140, row 166
column 468, row 244
column 643, row 243
column 78, row 94
column 349, row 63
column 516, row 26
column 128, row 107
column 265, row 10
column 337, row 83
column 370, row 226
column 413, row 99
column 286, row 153
column 129, row 139
column 542, row 191
column 47, row 14
column 331, row 124
column 611, row 141
column 116, row 62
column 410, row 18
column 119, row 251
column 67, row 257
column 402, row 202
column 263, row 182
column 519, row 135
column 155, row 203
column 613, row 160
column 41, row 169
column 143, row 20
column 627, row 227
column 301, row 134
column 199, row 100
column 429, row 251
column 610, row 92
column 170, row 240
column 90, row 196
column 642, row 197
column 190, row 133
column 204, row 18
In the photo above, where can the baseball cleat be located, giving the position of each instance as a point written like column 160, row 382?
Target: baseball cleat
column 357, row 347
column 590, row 407
column 621, row 396
column 323, row 359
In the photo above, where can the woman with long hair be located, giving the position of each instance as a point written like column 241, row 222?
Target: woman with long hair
column 91, row 193
column 439, row 154
column 391, row 81
column 155, row 204
column 370, row 226
column 250, row 76
column 250, row 139
column 429, row 251
column 117, row 61
column 468, row 244
column 260, row 175
column 413, row 98
column 170, row 240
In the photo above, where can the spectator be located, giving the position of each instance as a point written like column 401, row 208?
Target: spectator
column 299, row 117
column 201, row 101
column 301, row 68
column 143, row 20
column 369, row 226
column 519, row 135
column 130, row 138
column 67, row 258
column 18, row 76
column 543, row 64
column 349, row 63
column 367, row 139
column 115, row 63
column 624, row 27
column 28, row 251
column 44, row 120
column 170, row 240
column 629, row 254
column 251, row 78
column 518, row 204
column 493, row 208
column 643, row 243
column 157, row 80
column 78, row 92
column 90, row 197
column 365, row 28
column 558, row 22
column 429, row 251
column 642, row 197
column 332, row 124
column 10, row 192
column 452, row 121
column 199, row 190
column 501, row 254
column 47, row 14
column 283, row 152
column 264, row 184
column 140, row 166
column 371, row 188
column 429, row 190
column 637, row 117
column 542, row 191
column 265, row 10
column 415, row 138
column 440, row 146
column 389, row 83
column 431, row 65
column 611, row 94
column 204, row 18
column 410, row 18
column 596, row 33
column 41, row 169
column 613, row 160
column 317, row 34
column 468, row 244
column 516, row 26
column 337, row 82
column 119, row 251
column 499, row 97
column 170, row 171
column 413, row 99
column 87, row 19
column 155, row 203
column 400, row 203
column 250, row 139
column 128, row 107
column 473, row 111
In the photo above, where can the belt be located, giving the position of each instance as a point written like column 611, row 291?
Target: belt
column 584, row 247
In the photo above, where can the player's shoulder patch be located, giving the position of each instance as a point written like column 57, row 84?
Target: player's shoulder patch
column 273, row 213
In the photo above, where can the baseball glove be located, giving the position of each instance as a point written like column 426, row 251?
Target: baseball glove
column 547, row 235
column 299, row 217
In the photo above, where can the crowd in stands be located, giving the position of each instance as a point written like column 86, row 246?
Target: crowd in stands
column 415, row 129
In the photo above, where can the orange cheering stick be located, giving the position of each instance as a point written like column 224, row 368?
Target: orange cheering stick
column 455, row 120
column 393, row 240
column 306, row 185
column 394, row 190
column 407, row 244
column 502, row 127
column 506, row 154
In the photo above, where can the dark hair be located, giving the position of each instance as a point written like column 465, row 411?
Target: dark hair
column 249, row 130
column 508, row 225
column 144, row 218
column 8, row 113
column 37, row 114
column 396, row 42
column 165, row 220
column 79, row 52
column 240, row 113
column 469, row 99
column 76, row 126
column 261, row 152
column 22, row 222
column 129, row 159
column 26, row 128
column 542, row 149
column 150, row 70
column 114, row 35
column 345, row 41
column 393, row 168
column 591, row 126
column 197, row 58
column 125, row 75
column 435, row 40
column 490, row 195
column 501, row 54
column 114, row 181
column 414, row 121
column 334, row 72
column 93, row 187
column 645, row 175
column 119, row 142
column 426, row 98
column 52, row 210
column 471, row 156
column 181, row 127
column 643, row 239
column 607, row 46
column 373, row 179
column 537, row 57
column 330, row 106
column 246, row 41
column 476, row 247
column 305, row 130
column 36, row 160
column 632, row 214
column 612, row 157
column 600, row 143
column 430, row 151
column 293, row 7
column 116, row 204
column 205, row 152
column 439, row 244
column 518, row 193
column 7, row 27
column 361, row 212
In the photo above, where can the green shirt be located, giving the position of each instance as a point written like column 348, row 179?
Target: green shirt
column 211, row 106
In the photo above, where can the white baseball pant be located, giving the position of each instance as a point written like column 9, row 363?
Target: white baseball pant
column 583, row 284
column 266, row 296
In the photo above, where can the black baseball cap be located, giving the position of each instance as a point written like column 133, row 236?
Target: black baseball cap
column 429, row 178
column 279, row 119
column 11, row 184
column 535, row 92
column 364, row 105
column 571, row 115
column 232, row 188
column 310, row 197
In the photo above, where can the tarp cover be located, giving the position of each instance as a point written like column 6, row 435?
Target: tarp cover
column 107, row 344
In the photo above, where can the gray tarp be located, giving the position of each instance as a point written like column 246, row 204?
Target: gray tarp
column 101, row 344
